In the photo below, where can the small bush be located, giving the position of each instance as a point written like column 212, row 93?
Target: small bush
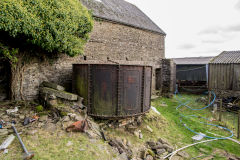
column 53, row 25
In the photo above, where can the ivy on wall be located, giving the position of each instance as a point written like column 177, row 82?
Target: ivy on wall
column 60, row 26
column 8, row 53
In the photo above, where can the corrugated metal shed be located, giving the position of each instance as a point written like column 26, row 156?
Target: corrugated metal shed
column 192, row 68
column 122, row 12
column 191, row 72
column 192, row 60
column 227, row 57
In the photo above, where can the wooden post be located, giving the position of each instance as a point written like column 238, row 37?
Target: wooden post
column 209, row 97
column 238, row 134
column 221, row 110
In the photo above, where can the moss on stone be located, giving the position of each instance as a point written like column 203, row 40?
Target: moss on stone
column 39, row 108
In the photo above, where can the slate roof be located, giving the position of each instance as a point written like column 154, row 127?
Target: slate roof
column 192, row 60
column 122, row 12
column 227, row 57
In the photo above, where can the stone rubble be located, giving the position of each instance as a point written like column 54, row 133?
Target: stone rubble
column 149, row 129
column 121, row 147
column 160, row 148
column 59, row 94
column 52, row 85
column 63, row 113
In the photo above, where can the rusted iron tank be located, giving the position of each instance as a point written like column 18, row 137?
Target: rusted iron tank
column 113, row 91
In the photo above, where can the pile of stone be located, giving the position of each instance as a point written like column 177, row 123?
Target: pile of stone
column 125, row 122
column 202, row 100
column 162, row 148
column 55, row 97
column 69, row 108
column 65, row 109
column 130, row 124
column 122, row 146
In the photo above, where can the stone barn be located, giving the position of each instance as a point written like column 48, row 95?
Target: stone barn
column 122, row 34
column 224, row 74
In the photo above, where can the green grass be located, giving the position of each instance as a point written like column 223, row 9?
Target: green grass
column 181, row 136
column 48, row 146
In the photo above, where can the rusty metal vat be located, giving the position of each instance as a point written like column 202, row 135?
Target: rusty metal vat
column 113, row 91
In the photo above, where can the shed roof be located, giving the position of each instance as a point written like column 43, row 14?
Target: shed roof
column 122, row 12
column 192, row 60
column 227, row 57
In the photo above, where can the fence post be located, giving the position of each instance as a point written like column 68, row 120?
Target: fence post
column 221, row 110
column 238, row 134
column 209, row 97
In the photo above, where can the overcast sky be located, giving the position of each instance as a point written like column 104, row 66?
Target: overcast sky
column 195, row 27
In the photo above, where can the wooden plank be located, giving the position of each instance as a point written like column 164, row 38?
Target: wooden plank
column 219, row 77
column 221, row 110
column 238, row 134
column 220, row 74
column 209, row 77
column 231, row 77
column 227, row 76
column 214, row 76
column 209, row 97
column 223, row 74
column 236, row 80
column 238, row 77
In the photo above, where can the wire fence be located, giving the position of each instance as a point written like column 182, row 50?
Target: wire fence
column 228, row 118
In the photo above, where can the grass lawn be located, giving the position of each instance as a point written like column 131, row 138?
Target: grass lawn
column 60, row 146
column 180, row 136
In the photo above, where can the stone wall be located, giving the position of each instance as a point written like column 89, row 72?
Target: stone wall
column 109, row 43
column 168, row 76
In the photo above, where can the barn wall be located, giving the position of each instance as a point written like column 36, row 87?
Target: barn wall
column 221, row 76
column 109, row 43
column 224, row 79
column 168, row 76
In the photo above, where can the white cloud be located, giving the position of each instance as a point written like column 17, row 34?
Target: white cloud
column 195, row 28
column 233, row 28
column 237, row 6
column 187, row 46
column 213, row 41
column 218, row 30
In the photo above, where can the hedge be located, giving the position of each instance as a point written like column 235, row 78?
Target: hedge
column 60, row 26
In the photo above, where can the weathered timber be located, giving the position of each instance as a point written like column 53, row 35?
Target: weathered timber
column 221, row 110
column 238, row 134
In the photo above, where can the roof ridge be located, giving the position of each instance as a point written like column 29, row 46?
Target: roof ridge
column 123, row 12
column 227, row 57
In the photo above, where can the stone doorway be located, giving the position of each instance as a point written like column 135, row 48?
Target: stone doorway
column 158, row 72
